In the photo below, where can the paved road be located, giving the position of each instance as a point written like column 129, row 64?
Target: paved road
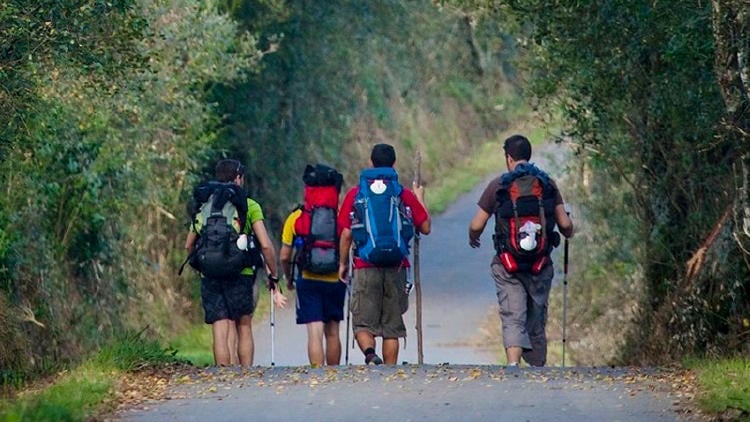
column 461, row 379
column 414, row 393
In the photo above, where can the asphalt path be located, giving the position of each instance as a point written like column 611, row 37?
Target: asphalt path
column 461, row 378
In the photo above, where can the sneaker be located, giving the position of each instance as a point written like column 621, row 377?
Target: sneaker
column 374, row 359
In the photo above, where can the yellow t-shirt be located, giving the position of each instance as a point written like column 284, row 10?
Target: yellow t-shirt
column 287, row 238
column 254, row 213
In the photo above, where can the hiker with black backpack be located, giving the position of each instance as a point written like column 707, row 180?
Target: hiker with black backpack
column 227, row 244
column 379, row 218
column 527, row 205
column 310, row 260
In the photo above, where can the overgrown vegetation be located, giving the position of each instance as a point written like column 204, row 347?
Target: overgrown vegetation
column 658, row 112
column 87, row 390
column 724, row 387
column 114, row 109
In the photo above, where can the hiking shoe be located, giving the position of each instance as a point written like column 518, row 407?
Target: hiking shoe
column 374, row 359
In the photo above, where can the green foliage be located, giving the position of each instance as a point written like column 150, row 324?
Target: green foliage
column 344, row 76
column 642, row 105
column 723, row 385
column 195, row 346
column 134, row 351
column 96, row 172
column 115, row 110
column 78, row 393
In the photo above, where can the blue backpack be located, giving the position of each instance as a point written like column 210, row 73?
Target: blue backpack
column 381, row 224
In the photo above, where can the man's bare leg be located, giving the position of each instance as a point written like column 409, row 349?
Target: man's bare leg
column 220, row 332
column 514, row 354
column 245, row 345
column 232, row 343
column 333, row 343
column 390, row 351
column 315, row 343
column 366, row 342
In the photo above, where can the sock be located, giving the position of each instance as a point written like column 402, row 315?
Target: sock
column 369, row 351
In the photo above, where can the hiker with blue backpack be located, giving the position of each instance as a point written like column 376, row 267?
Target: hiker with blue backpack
column 526, row 205
column 377, row 219
column 310, row 260
column 227, row 244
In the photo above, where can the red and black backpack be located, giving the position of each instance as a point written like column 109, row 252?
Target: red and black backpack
column 317, row 243
column 525, row 219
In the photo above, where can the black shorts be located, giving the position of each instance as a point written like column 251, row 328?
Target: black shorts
column 227, row 299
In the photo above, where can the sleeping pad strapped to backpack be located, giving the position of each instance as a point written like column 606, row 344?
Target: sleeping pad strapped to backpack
column 381, row 224
column 525, row 219
column 317, row 237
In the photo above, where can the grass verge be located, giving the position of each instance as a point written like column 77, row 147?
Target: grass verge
column 89, row 389
column 724, row 387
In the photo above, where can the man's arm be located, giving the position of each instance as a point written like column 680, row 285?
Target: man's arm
column 190, row 241
column 564, row 223
column 266, row 247
column 426, row 226
column 269, row 254
column 285, row 258
column 345, row 244
column 476, row 227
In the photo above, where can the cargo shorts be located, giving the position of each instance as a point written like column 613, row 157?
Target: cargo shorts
column 378, row 301
column 523, row 299
column 228, row 299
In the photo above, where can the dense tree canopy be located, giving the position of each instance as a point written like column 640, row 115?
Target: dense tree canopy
column 113, row 110
column 655, row 98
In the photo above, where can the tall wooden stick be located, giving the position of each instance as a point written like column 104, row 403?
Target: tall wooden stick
column 417, row 281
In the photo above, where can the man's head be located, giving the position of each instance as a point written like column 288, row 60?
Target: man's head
column 229, row 170
column 518, row 148
column 383, row 155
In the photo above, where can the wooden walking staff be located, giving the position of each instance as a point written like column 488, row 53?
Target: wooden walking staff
column 417, row 281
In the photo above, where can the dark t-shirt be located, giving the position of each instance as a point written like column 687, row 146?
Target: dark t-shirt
column 488, row 201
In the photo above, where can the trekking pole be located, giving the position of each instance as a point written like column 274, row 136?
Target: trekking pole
column 272, row 320
column 348, row 315
column 565, row 300
column 417, row 281
column 349, row 301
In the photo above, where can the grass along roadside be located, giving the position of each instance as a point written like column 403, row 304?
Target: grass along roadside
column 723, row 387
column 96, row 386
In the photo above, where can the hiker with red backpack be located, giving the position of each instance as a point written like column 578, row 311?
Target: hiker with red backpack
column 527, row 206
column 378, row 218
column 309, row 245
column 221, row 246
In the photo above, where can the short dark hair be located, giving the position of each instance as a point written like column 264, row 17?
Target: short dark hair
column 518, row 147
column 227, row 170
column 383, row 155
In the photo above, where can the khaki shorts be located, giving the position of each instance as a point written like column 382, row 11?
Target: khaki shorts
column 378, row 301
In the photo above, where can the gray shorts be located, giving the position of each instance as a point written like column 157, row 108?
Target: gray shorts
column 378, row 297
column 523, row 299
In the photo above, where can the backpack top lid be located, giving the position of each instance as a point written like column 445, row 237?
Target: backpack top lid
column 322, row 188
column 524, row 169
column 223, row 192
column 322, row 175
column 368, row 181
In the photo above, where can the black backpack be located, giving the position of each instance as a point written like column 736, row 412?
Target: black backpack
column 216, row 253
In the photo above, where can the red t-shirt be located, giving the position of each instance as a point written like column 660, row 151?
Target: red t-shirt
column 418, row 212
